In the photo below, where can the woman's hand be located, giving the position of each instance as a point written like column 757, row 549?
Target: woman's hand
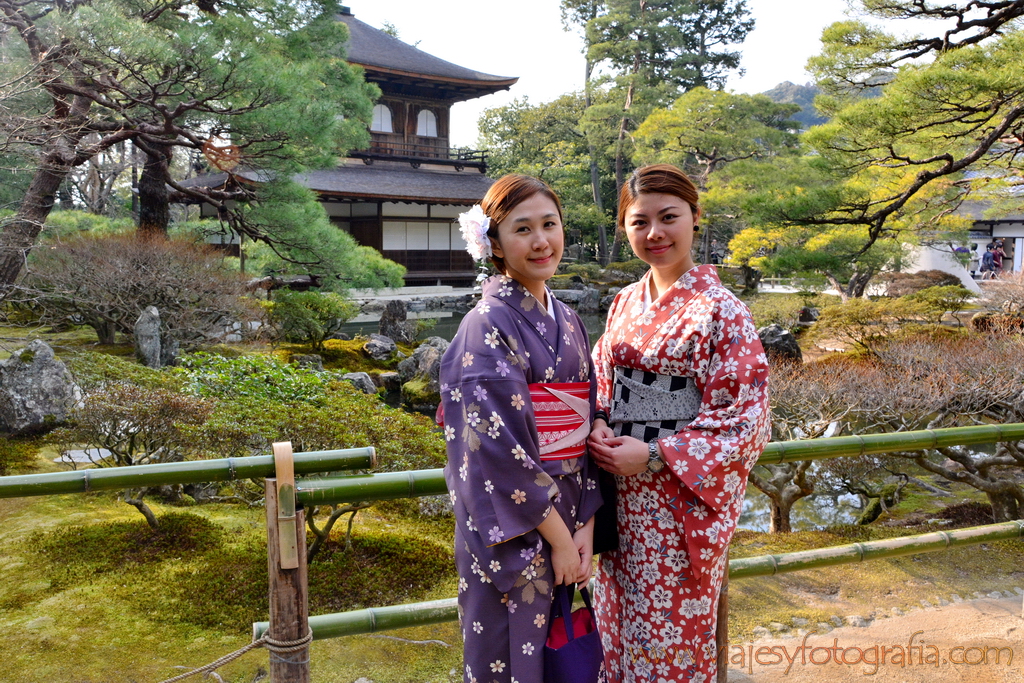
column 600, row 431
column 565, row 558
column 622, row 455
column 565, row 561
column 584, row 540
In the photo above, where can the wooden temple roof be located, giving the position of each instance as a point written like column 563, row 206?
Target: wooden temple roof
column 378, row 182
column 400, row 68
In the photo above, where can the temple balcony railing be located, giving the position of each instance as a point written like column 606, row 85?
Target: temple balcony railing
column 420, row 149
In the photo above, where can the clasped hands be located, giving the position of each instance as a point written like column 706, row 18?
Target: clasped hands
column 622, row 455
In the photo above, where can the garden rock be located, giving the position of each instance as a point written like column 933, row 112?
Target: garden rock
column 362, row 381
column 856, row 621
column 584, row 300
column 390, row 381
column 780, row 343
column 393, row 323
column 380, row 348
column 341, row 336
column 808, row 315
column 419, row 372
column 147, row 337
column 311, row 361
column 36, row 390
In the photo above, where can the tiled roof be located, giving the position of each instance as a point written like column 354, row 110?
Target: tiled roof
column 372, row 47
column 390, row 183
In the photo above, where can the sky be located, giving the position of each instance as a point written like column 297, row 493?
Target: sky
column 525, row 38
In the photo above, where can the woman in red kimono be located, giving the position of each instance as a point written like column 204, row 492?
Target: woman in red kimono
column 517, row 401
column 682, row 415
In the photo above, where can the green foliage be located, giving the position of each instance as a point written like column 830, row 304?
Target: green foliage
column 775, row 309
column 938, row 300
column 704, row 130
column 635, row 268
column 256, row 378
column 17, row 453
column 309, row 317
column 74, row 553
column 296, row 238
column 588, row 271
column 93, row 370
column 863, row 323
column 64, row 224
column 343, row 418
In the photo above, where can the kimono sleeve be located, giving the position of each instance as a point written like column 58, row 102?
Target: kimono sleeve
column 602, row 356
column 714, row 454
column 490, row 435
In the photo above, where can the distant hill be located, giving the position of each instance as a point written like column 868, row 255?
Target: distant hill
column 791, row 93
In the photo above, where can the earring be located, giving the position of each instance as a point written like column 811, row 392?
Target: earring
column 696, row 227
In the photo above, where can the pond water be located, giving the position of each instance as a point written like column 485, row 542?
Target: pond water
column 447, row 324
column 814, row 512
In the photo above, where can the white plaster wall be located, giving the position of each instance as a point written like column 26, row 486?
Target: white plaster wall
column 929, row 258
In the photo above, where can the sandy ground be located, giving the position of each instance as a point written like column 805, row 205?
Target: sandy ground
column 980, row 641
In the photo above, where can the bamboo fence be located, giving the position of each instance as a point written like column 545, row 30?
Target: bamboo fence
column 417, row 614
column 191, row 472
column 370, row 487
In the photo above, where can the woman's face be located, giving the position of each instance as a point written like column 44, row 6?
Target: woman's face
column 660, row 230
column 530, row 239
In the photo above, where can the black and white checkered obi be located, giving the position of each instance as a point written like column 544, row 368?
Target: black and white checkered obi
column 646, row 405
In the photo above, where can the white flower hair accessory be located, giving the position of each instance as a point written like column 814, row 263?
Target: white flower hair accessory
column 475, row 224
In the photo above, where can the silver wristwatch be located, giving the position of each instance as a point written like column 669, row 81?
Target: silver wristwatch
column 654, row 462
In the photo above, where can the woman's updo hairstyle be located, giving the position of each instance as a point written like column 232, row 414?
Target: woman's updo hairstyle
column 505, row 194
column 656, row 179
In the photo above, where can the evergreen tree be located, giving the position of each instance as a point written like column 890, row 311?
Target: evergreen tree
column 267, row 76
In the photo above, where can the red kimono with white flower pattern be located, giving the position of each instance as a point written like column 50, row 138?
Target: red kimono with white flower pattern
column 656, row 596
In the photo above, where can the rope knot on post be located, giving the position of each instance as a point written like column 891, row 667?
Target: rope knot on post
column 276, row 647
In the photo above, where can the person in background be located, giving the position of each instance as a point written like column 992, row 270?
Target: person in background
column 974, row 259
column 682, row 397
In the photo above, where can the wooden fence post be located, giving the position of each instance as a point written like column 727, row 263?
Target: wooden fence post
column 289, row 609
column 722, row 628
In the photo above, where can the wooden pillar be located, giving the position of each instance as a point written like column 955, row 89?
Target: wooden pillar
column 722, row 629
column 289, row 609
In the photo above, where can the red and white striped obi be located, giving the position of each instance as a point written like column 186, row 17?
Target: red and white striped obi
column 562, row 414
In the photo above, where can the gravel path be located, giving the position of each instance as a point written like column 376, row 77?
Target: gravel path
column 979, row 641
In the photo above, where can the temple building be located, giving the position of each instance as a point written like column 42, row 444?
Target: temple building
column 401, row 195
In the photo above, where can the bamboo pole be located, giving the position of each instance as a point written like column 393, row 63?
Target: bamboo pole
column 289, row 608
column 418, row 613
column 337, row 490
column 867, row 444
column 192, row 472
column 386, row 486
column 768, row 565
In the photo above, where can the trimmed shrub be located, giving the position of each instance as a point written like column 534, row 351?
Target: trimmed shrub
column 901, row 284
column 309, row 317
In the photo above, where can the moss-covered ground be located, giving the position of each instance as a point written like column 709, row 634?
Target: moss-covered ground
column 89, row 593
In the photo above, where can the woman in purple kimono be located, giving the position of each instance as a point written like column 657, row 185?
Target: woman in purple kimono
column 516, row 398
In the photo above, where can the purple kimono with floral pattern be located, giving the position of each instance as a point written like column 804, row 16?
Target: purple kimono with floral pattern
column 500, row 488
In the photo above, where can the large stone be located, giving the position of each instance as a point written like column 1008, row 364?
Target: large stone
column 584, row 300
column 380, row 348
column 393, row 323
column 36, row 390
column 390, row 381
column 362, row 381
column 147, row 337
column 779, row 342
column 419, row 374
